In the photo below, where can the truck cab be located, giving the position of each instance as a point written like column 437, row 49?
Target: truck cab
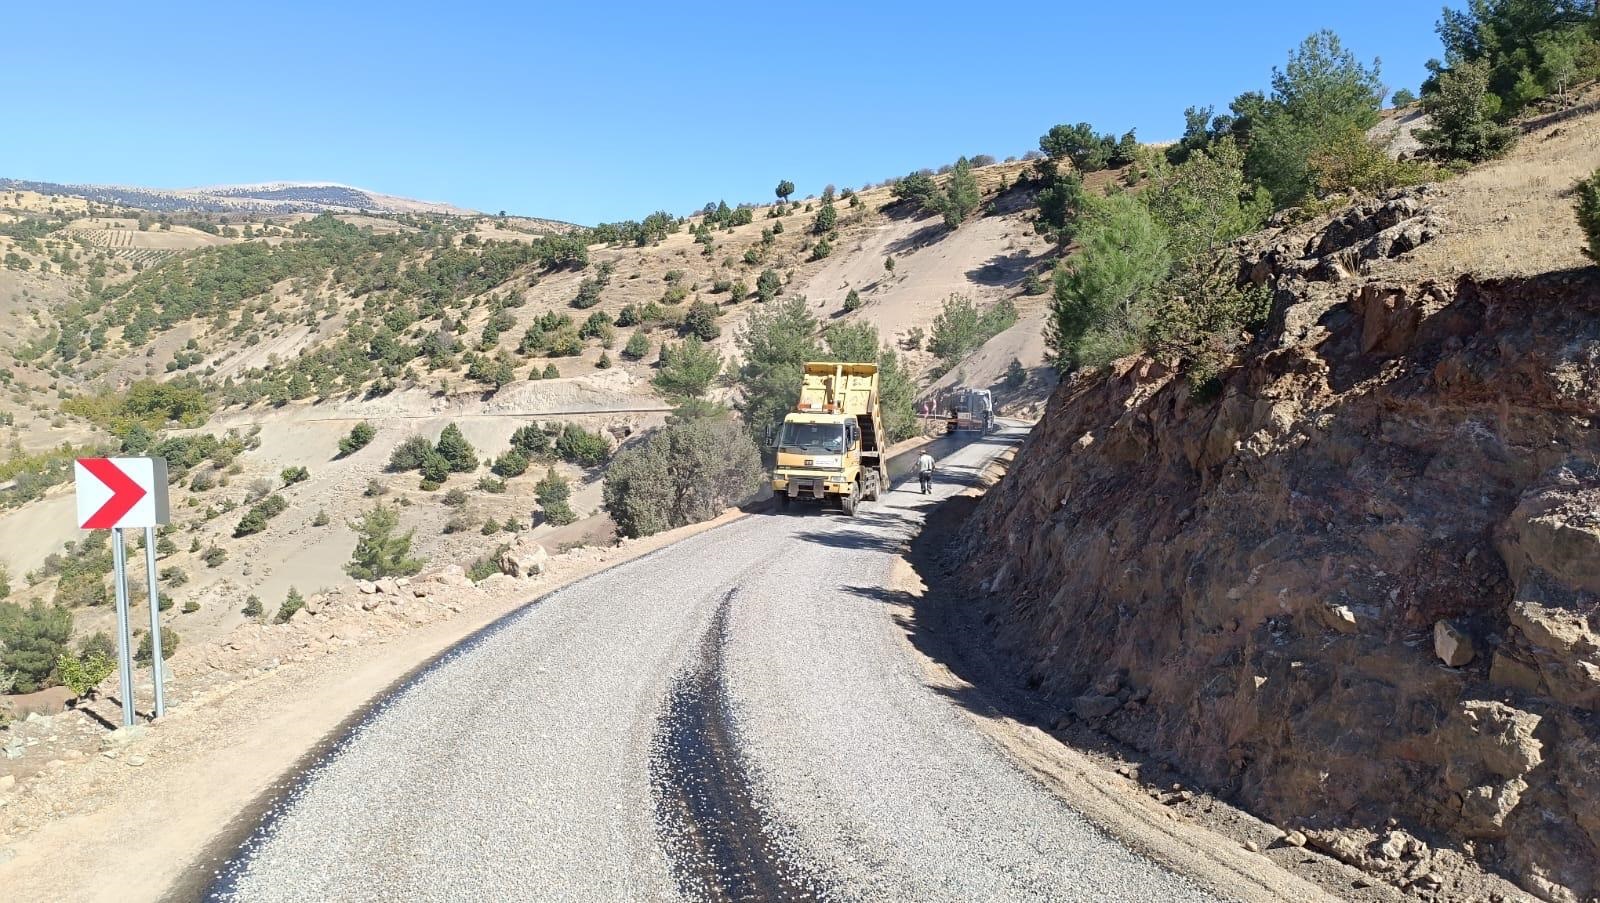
column 829, row 447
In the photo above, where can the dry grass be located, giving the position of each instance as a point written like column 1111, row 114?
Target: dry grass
column 1514, row 217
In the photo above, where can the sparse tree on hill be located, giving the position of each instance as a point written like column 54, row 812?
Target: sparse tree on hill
column 554, row 494
column 1462, row 113
column 687, row 369
column 456, row 450
column 380, row 550
column 784, row 189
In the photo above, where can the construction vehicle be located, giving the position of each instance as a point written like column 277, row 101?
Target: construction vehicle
column 831, row 444
column 971, row 409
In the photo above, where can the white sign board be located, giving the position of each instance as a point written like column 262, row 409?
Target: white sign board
column 121, row 492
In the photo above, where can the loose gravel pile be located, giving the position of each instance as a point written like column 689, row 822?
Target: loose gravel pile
column 520, row 767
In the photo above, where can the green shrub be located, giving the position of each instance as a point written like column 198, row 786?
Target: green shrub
column 252, row 606
column 531, row 440
column 487, row 566
column 852, row 301
column 360, row 435
column 684, row 473
column 146, row 652
column 82, row 673
column 293, row 475
column 456, row 450
column 291, row 604
column 492, row 485
column 321, row 519
column 638, row 346
column 687, row 369
column 82, row 589
column 381, row 551
column 32, row 640
column 768, row 285
column 490, row 527
column 214, row 556
column 409, row 454
column 581, row 447
column 255, row 520
column 550, row 372
column 172, row 575
column 1462, row 115
column 514, row 463
column 701, row 321
column 455, row 498
column 190, row 607
column 555, row 494
column 1587, row 194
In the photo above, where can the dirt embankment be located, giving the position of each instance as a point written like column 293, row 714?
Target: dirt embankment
column 1358, row 589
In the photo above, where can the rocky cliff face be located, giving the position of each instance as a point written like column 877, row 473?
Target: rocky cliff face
column 1359, row 588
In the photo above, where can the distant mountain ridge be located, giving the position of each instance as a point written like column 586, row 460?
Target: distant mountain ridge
column 269, row 197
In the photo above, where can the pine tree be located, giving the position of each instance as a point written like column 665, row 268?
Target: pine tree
column 379, row 551
column 455, row 449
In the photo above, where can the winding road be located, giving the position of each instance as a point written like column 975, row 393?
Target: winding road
column 733, row 717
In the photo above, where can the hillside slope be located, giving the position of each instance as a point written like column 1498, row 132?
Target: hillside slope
column 1357, row 588
column 323, row 308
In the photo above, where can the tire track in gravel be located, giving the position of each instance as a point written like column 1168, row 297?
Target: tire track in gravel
column 712, row 828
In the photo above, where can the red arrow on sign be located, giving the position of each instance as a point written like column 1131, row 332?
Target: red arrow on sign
column 125, row 493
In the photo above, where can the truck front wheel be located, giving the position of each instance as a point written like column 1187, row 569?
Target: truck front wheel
column 852, row 501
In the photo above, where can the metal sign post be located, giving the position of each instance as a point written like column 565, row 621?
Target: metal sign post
column 157, row 662
column 119, row 577
column 117, row 494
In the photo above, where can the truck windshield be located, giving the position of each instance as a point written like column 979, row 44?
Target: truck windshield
column 828, row 437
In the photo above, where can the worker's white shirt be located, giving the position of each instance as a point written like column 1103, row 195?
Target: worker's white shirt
column 925, row 464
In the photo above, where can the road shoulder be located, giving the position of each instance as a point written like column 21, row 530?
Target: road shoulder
column 1151, row 810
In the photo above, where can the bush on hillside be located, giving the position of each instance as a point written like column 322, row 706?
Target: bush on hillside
column 146, row 652
column 32, row 640
column 82, row 673
column 381, row 550
column 514, row 463
column 701, row 321
column 410, row 454
column 255, row 520
column 578, row 446
column 454, row 448
column 555, row 499
column 638, row 346
column 1463, row 115
column 531, row 440
column 291, row 604
column 681, row 474
column 293, row 475
column 687, row 369
column 1587, row 194
column 360, row 436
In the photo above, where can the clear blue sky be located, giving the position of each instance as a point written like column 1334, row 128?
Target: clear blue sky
column 594, row 111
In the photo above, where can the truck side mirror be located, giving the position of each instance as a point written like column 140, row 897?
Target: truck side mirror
column 771, row 439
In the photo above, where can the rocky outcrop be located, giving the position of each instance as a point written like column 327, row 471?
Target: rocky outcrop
column 1360, row 584
column 524, row 558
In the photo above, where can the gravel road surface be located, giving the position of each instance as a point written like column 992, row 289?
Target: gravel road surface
column 731, row 717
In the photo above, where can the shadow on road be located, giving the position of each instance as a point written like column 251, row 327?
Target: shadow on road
column 952, row 624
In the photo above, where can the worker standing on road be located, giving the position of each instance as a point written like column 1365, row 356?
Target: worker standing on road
column 925, row 472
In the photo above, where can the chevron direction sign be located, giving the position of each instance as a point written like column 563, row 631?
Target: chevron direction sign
column 121, row 493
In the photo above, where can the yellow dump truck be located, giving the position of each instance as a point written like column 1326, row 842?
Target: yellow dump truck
column 831, row 444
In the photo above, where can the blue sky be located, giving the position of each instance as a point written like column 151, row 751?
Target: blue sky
column 602, row 111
